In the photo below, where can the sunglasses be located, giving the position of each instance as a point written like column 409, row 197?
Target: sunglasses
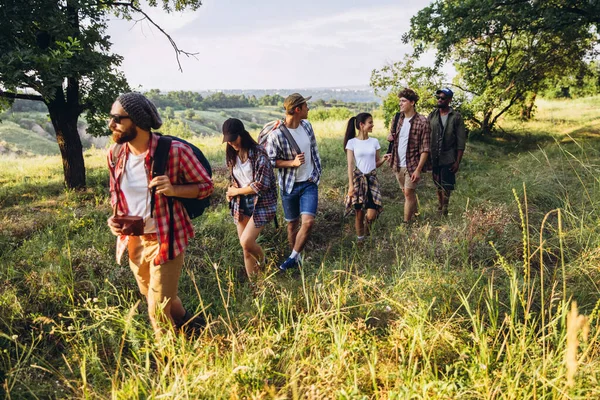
column 441, row 98
column 117, row 118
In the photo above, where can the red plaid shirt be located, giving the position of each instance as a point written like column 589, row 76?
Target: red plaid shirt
column 419, row 139
column 182, row 168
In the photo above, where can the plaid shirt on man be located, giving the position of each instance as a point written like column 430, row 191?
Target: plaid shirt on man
column 278, row 148
column 265, row 200
column 182, row 168
column 419, row 140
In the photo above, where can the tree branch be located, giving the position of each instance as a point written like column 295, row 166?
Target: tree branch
column 178, row 51
column 21, row 96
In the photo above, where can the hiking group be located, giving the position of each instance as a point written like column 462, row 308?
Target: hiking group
column 158, row 183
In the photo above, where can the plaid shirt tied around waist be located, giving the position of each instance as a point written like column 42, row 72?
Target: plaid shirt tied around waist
column 278, row 148
column 419, row 141
column 182, row 168
column 363, row 183
column 265, row 199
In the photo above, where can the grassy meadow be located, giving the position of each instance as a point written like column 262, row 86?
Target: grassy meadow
column 499, row 300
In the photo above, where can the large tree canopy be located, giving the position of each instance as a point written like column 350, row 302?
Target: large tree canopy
column 60, row 50
column 505, row 50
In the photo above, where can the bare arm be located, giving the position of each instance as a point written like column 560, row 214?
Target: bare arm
column 379, row 160
column 296, row 162
column 350, row 158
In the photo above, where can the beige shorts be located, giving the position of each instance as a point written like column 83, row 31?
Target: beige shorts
column 403, row 178
column 157, row 282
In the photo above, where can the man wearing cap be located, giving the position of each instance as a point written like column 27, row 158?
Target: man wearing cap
column 299, row 172
column 410, row 138
column 132, row 117
column 448, row 138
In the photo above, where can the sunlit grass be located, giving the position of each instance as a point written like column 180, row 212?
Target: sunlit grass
column 472, row 306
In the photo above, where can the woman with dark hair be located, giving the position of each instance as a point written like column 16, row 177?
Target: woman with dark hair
column 363, row 157
column 252, row 194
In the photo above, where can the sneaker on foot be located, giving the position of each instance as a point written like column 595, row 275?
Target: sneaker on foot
column 289, row 263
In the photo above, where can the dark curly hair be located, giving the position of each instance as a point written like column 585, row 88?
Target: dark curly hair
column 409, row 94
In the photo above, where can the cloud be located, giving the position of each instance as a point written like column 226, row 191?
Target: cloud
column 334, row 49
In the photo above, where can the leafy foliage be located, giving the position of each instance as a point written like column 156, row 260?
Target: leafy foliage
column 504, row 50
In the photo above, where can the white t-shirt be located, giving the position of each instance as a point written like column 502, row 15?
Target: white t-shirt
column 134, row 186
column 301, row 137
column 243, row 172
column 365, row 152
column 403, row 141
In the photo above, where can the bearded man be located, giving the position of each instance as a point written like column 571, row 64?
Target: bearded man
column 132, row 118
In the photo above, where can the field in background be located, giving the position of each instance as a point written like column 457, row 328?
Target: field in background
column 470, row 306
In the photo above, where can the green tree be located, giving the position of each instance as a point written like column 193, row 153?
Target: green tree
column 392, row 78
column 169, row 112
column 61, row 52
column 504, row 51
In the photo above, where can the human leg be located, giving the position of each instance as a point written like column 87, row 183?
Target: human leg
column 309, row 201
column 164, row 305
column 253, row 253
column 371, row 217
column 410, row 204
column 308, row 222
column 359, row 222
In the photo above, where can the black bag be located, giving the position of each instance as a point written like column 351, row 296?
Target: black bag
column 194, row 207
column 391, row 145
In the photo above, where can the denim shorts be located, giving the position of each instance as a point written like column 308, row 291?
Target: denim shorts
column 303, row 200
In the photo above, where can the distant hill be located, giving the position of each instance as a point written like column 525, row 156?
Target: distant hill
column 360, row 94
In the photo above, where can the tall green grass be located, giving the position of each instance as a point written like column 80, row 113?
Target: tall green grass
column 479, row 305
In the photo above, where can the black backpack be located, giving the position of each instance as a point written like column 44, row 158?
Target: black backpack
column 194, row 207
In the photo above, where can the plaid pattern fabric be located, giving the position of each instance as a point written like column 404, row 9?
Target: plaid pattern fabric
column 419, row 141
column 362, row 184
column 265, row 200
column 182, row 168
column 278, row 148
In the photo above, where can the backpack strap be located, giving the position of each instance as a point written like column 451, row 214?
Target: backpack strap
column 159, row 166
column 391, row 144
column 290, row 138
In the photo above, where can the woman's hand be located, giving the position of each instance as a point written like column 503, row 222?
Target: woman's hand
column 351, row 191
column 231, row 193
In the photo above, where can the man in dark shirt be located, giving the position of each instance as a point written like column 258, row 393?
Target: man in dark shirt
column 448, row 138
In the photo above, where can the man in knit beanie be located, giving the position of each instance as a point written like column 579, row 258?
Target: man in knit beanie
column 132, row 118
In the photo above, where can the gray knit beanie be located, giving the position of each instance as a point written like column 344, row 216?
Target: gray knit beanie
column 141, row 110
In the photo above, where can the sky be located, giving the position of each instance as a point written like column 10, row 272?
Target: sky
column 265, row 44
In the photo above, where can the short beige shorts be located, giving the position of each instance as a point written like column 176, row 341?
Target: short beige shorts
column 403, row 178
column 157, row 281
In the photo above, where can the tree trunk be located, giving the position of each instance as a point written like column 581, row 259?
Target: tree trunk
column 64, row 118
column 529, row 110
column 486, row 124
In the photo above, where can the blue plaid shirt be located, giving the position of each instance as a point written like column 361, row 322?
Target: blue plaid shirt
column 278, row 148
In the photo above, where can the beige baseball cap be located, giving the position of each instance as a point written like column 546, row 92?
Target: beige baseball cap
column 294, row 100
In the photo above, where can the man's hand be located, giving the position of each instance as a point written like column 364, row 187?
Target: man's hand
column 390, row 138
column 116, row 229
column 454, row 167
column 231, row 193
column 416, row 176
column 163, row 185
column 299, row 160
